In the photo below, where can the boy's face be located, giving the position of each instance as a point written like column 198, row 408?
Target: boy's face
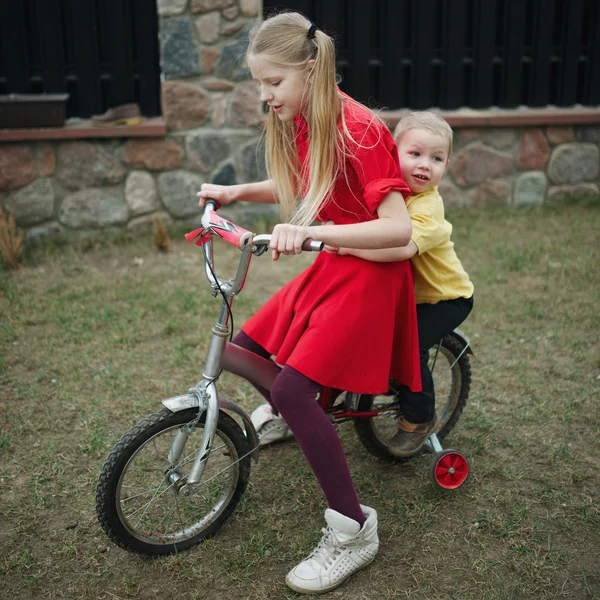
column 423, row 158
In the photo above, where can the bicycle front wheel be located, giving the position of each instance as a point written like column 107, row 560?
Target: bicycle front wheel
column 138, row 501
column 451, row 370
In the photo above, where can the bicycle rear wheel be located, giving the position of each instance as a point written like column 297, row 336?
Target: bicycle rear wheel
column 137, row 499
column 451, row 370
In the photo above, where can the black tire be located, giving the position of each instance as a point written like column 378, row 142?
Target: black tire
column 452, row 388
column 141, row 511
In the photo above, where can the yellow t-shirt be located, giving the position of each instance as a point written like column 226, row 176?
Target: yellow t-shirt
column 439, row 275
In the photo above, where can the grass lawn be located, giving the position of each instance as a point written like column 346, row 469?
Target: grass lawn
column 92, row 338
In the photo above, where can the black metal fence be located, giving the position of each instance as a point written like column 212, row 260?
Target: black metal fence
column 392, row 53
column 102, row 52
column 463, row 53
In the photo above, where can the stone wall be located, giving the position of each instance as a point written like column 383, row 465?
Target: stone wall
column 522, row 166
column 213, row 116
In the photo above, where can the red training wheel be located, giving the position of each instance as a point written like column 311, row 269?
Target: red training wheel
column 450, row 469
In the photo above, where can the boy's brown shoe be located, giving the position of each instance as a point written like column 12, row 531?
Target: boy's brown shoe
column 125, row 114
column 410, row 437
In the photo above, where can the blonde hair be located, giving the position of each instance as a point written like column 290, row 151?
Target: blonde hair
column 283, row 39
column 425, row 120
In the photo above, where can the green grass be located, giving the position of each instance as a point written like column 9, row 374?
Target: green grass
column 94, row 333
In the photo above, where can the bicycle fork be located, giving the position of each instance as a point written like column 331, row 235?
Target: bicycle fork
column 204, row 396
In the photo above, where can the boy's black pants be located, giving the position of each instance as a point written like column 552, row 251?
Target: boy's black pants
column 434, row 321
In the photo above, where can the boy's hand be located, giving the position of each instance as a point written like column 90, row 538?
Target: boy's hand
column 221, row 193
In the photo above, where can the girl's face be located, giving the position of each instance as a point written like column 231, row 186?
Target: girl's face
column 423, row 158
column 282, row 88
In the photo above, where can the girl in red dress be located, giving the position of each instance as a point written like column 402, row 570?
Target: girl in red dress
column 345, row 322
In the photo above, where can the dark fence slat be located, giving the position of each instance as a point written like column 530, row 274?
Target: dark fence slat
column 424, row 23
column 85, row 59
column 360, row 29
column 539, row 94
column 483, row 55
column 49, row 30
column 392, row 90
column 592, row 96
column 146, row 58
column 571, row 53
column 115, row 34
column 14, row 45
column 514, row 24
column 453, row 78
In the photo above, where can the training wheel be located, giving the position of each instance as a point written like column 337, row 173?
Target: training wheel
column 449, row 469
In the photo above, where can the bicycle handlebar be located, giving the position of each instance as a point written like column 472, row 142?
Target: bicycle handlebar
column 264, row 239
column 246, row 241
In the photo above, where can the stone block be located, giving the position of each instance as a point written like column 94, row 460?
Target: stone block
column 572, row 163
column 577, row 191
column 246, row 107
column 231, row 12
column 533, row 150
column 250, row 8
column 498, row 138
column 225, row 175
column 560, row 135
column 530, row 188
column 168, row 8
column 94, row 208
column 492, row 192
column 178, row 191
column 140, row 193
column 184, row 106
column 588, row 134
column 209, row 58
column 179, row 54
column 46, row 160
column 202, row 6
column 207, row 27
column 477, row 163
column 83, row 164
column 17, row 167
column 33, row 203
column 39, row 232
column 153, row 154
column 206, row 149
column 230, row 64
column 219, row 110
column 451, row 195
column 250, row 160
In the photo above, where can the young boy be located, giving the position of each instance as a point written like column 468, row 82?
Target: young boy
column 443, row 290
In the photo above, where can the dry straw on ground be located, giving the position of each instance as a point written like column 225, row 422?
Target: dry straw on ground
column 11, row 240
column 160, row 237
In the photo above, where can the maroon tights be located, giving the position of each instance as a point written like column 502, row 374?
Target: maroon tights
column 294, row 396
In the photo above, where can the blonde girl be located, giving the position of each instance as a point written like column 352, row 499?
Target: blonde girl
column 345, row 322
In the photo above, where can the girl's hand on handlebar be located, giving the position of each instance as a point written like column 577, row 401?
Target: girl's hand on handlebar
column 221, row 193
column 288, row 239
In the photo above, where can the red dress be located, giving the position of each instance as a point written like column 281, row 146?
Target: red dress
column 345, row 322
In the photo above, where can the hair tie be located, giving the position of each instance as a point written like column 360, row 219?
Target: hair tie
column 311, row 31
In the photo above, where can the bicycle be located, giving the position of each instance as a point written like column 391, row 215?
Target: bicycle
column 176, row 476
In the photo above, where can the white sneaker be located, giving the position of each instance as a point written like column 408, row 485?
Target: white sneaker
column 344, row 549
column 270, row 428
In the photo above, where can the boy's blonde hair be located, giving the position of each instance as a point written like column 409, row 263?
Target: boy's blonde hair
column 283, row 39
column 425, row 120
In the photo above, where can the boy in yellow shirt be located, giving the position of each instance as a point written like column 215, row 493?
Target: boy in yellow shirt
column 443, row 290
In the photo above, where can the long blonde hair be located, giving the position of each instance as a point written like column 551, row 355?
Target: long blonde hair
column 284, row 40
